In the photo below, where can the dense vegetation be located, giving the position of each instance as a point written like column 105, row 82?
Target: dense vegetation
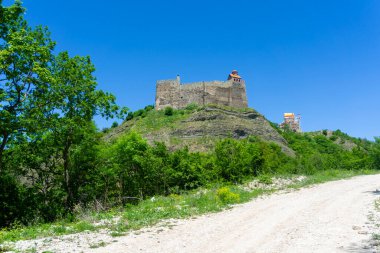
column 53, row 159
column 47, row 103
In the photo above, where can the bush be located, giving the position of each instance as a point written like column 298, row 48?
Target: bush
column 114, row 124
column 149, row 108
column 226, row 196
column 169, row 111
column 192, row 107
column 375, row 154
column 138, row 113
column 129, row 116
column 10, row 203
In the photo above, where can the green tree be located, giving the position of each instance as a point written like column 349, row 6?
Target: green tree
column 38, row 161
column 80, row 102
column 26, row 90
column 10, row 18
column 375, row 154
column 237, row 159
column 47, row 104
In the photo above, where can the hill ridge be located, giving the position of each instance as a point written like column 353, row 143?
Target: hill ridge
column 199, row 128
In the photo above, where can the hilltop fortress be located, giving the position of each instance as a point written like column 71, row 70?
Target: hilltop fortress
column 174, row 94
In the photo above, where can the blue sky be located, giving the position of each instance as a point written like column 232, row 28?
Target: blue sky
column 317, row 58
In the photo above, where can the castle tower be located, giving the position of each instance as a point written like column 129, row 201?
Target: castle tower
column 291, row 121
column 234, row 76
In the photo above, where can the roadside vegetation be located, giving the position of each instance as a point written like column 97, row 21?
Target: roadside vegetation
column 139, row 184
column 161, row 209
column 58, row 175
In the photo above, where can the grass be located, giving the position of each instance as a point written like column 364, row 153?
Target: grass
column 232, row 109
column 265, row 179
column 44, row 230
column 331, row 175
column 98, row 245
column 6, row 248
column 151, row 211
column 371, row 218
column 156, row 120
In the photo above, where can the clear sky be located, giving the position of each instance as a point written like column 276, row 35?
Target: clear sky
column 319, row 58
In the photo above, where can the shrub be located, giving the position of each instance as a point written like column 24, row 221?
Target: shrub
column 226, row 196
column 129, row 116
column 192, row 107
column 375, row 154
column 138, row 113
column 169, row 111
column 114, row 124
column 149, row 108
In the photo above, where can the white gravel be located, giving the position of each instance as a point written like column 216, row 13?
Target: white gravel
column 336, row 216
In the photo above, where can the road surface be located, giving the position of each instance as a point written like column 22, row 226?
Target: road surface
column 331, row 217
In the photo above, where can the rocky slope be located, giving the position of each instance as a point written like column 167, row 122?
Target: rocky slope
column 199, row 129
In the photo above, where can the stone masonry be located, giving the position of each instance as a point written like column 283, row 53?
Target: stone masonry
column 174, row 94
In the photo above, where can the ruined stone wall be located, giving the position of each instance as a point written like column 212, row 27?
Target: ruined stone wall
column 173, row 93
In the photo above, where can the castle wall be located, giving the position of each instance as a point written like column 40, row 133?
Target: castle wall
column 167, row 93
column 173, row 93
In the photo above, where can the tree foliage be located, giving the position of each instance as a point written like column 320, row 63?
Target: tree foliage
column 375, row 154
column 47, row 104
column 26, row 88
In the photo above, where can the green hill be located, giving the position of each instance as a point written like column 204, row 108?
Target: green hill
column 200, row 128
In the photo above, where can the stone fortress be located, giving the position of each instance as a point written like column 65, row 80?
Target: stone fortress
column 229, row 93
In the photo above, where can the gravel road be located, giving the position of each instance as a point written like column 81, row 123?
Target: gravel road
column 331, row 217
column 337, row 216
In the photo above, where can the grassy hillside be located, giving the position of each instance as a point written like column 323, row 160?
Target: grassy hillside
column 199, row 128
column 342, row 139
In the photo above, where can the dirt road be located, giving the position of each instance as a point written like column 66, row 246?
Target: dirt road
column 331, row 217
column 337, row 216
